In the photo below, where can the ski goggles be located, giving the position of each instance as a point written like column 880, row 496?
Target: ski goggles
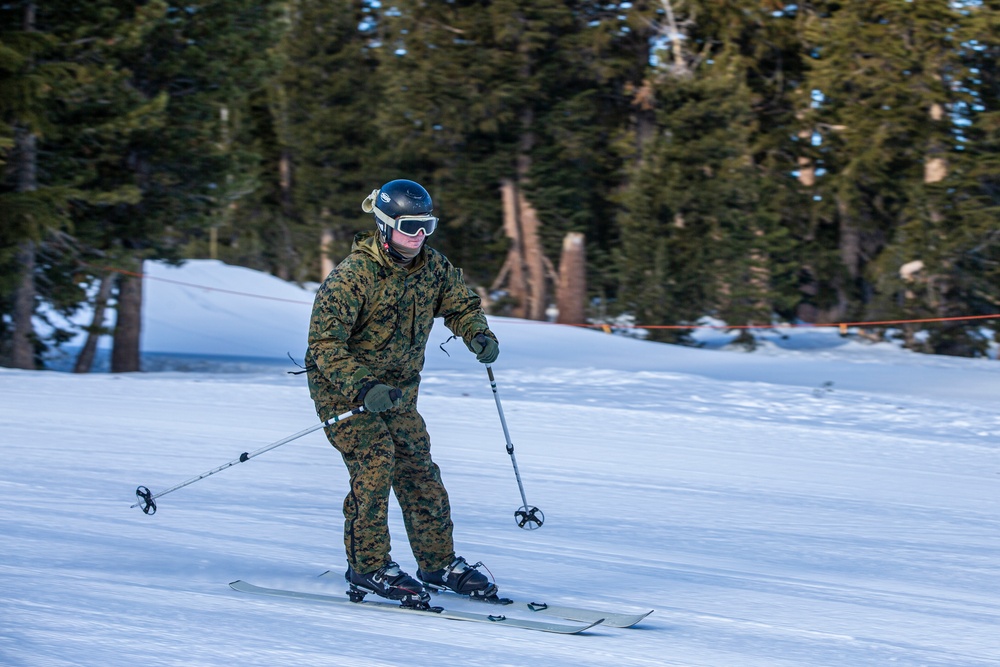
column 410, row 225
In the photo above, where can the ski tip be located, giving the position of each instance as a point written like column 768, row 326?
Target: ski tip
column 639, row 618
column 627, row 620
column 245, row 587
column 567, row 629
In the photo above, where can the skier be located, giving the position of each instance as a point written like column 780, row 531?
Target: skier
column 367, row 336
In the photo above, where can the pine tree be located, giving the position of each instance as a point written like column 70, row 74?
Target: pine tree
column 35, row 192
column 702, row 228
column 98, row 113
column 445, row 108
column 201, row 62
column 581, row 150
column 961, row 242
column 891, row 93
column 131, row 106
column 691, row 231
column 516, row 102
column 324, row 102
column 977, row 253
column 866, row 123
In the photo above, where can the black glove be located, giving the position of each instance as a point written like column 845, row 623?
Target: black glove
column 382, row 397
column 487, row 350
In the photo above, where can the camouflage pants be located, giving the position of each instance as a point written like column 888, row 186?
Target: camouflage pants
column 391, row 450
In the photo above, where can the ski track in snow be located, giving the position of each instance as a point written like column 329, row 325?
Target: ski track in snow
column 764, row 543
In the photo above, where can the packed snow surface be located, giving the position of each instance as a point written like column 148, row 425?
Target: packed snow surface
column 822, row 501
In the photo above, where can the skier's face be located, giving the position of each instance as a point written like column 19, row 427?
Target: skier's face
column 409, row 242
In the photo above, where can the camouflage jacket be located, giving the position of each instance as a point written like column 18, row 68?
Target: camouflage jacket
column 371, row 319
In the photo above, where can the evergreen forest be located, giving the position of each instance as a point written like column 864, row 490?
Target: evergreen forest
column 655, row 162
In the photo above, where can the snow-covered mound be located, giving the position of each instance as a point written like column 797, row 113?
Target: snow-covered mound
column 819, row 502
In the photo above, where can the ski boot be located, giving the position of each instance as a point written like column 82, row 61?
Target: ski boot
column 464, row 579
column 389, row 582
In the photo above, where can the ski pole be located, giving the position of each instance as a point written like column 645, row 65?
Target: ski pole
column 147, row 500
column 527, row 517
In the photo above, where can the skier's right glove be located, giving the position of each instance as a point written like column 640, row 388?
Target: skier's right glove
column 382, row 397
column 485, row 348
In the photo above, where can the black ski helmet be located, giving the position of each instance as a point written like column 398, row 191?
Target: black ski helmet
column 403, row 197
column 399, row 201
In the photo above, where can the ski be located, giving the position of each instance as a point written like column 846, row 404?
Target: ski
column 438, row 612
column 611, row 619
column 580, row 614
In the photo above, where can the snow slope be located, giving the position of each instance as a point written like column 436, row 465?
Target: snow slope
column 769, row 516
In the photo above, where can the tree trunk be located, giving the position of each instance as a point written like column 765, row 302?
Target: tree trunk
column 286, row 256
column 679, row 67
column 527, row 218
column 513, row 269
column 644, row 103
column 85, row 360
column 326, row 245
column 526, row 263
column 125, row 353
column 572, row 293
column 534, row 258
column 850, row 240
column 22, row 351
column 22, row 345
column 526, row 269
column 850, row 256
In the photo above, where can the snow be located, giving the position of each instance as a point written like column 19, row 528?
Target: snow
column 768, row 516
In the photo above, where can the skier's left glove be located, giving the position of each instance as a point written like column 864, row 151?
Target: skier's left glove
column 487, row 350
column 381, row 397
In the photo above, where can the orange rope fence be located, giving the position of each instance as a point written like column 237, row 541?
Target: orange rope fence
column 843, row 326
